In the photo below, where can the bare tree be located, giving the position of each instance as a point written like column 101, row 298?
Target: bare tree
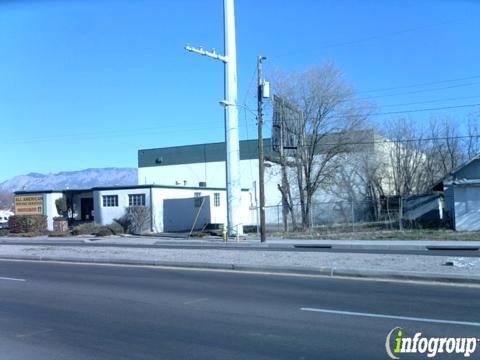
column 472, row 143
column 329, row 114
column 365, row 179
column 136, row 219
column 407, row 157
column 443, row 151
column 6, row 201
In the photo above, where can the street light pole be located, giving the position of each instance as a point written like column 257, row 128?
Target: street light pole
column 232, row 160
column 232, row 144
column 261, row 153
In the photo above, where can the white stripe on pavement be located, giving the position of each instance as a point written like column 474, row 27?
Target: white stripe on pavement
column 350, row 313
column 11, row 279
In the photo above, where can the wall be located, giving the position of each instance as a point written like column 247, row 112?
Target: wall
column 455, row 194
column 213, row 173
column 467, row 207
column 106, row 215
column 183, row 215
column 449, row 203
column 49, row 207
column 160, row 194
column 218, row 213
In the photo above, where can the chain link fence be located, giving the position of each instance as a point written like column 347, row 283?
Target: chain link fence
column 386, row 213
column 339, row 216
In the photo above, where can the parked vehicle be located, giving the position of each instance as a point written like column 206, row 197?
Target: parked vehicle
column 4, row 215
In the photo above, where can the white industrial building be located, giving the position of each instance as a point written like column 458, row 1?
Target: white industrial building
column 204, row 164
column 170, row 181
column 172, row 208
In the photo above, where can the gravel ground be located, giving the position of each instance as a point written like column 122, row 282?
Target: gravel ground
column 299, row 260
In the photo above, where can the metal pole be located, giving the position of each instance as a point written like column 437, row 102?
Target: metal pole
column 231, row 123
column 261, row 154
column 257, row 209
column 353, row 217
column 232, row 146
column 284, row 172
column 400, row 214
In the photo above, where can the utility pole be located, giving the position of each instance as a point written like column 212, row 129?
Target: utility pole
column 285, row 186
column 232, row 165
column 261, row 152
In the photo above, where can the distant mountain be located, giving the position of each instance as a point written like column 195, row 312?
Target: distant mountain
column 72, row 180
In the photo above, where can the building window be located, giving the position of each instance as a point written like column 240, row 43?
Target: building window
column 216, row 199
column 136, row 200
column 110, row 200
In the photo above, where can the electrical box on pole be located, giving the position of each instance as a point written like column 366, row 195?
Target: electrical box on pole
column 266, row 90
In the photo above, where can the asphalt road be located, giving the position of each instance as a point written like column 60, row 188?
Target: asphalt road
column 66, row 311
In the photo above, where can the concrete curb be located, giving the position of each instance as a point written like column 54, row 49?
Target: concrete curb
column 329, row 272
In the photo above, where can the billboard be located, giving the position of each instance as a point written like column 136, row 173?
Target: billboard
column 285, row 126
column 29, row 205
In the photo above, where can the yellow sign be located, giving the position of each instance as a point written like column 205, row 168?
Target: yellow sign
column 29, row 205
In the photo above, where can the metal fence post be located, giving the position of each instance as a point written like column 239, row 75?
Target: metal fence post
column 278, row 218
column 312, row 225
column 353, row 217
column 400, row 214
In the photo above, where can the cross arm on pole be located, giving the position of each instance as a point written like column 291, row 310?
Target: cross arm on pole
column 211, row 54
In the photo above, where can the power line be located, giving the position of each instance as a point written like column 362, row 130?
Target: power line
column 419, row 91
column 250, row 85
column 432, row 101
column 174, row 128
column 106, row 134
column 407, row 111
column 419, row 84
column 423, row 110
column 460, row 137
column 367, row 39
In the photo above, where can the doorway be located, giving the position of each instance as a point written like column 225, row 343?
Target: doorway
column 86, row 209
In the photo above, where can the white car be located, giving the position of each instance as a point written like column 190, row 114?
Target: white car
column 4, row 215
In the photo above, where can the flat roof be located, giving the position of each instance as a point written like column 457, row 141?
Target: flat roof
column 126, row 187
column 199, row 153
column 354, row 141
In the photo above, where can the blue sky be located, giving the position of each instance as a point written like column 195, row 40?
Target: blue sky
column 88, row 83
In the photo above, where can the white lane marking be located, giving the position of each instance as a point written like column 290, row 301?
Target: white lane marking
column 383, row 316
column 34, row 333
column 11, row 279
column 195, row 301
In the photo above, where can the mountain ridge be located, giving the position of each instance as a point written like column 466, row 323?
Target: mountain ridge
column 77, row 179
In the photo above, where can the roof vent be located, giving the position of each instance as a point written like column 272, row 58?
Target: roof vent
column 202, row 184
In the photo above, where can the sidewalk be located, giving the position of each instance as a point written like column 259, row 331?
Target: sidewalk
column 385, row 266
column 254, row 243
